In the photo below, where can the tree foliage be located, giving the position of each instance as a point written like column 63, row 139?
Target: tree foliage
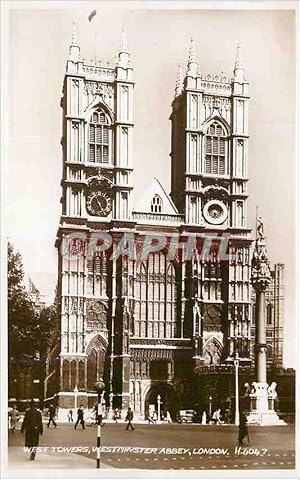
column 28, row 331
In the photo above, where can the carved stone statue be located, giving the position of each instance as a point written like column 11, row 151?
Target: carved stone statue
column 260, row 228
column 261, row 273
column 253, row 389
column 247, row 390
column 272, row 390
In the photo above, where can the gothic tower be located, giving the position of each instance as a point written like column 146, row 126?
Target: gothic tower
column 209, row 187
column 96, row 195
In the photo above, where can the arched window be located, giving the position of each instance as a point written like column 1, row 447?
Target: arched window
column 215, row 149
column 156, row 204
column 155, row 298
column 99, row 137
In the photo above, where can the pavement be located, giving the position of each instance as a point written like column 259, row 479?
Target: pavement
column 161, row 447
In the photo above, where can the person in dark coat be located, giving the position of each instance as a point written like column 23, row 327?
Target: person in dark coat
column 129, row 418
column 52, row 412
column 33, row 427
column 80, row 417
column 243, row 429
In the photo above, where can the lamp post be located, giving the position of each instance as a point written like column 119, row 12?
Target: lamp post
column 158, row 407
column 75, row 397
column 209, row 408
column 100, row 386
column 237, row 407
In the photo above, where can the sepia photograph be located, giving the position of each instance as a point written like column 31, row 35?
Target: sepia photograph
column 149, row 296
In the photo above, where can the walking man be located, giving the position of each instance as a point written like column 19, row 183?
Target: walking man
column 116, row 415
column 33, row 427
column 129, row 418
column 80, row 417
column 168, row 417
column 14, row 418
column 243, row 429
column 52, row 412
column 70, row 416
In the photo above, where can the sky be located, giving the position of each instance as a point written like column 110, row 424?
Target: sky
column 158, row 40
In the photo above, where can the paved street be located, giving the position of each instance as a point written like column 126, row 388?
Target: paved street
column 182, row 447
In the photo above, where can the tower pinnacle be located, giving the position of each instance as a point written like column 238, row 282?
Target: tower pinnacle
column 237, row 55
column 75, row 34
column 124, row 46
column 179, row 82
column 239, row 70
column 74, row 49
column 123, row 58
column 192, row 65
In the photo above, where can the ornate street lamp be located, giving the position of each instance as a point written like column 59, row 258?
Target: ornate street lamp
column 100, row 388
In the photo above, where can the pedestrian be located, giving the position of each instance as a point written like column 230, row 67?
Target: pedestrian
column 70, row 416
column 14, row 418
column 33, row 427
column 154, row 417
column 80, row 417
column 116, row 415
column 168, row 417
column 52, row 413
column 243, row 429
column 217, row 416
column 129, row 418
column 150, row 418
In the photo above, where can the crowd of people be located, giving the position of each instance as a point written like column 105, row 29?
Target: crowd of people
column 32, row 425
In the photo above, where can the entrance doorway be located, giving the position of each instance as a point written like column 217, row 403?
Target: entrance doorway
column 168, row 399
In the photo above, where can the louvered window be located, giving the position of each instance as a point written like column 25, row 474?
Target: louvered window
column 215, row 150
column 99, row 138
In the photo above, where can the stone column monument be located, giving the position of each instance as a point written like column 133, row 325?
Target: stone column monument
column 261, row 396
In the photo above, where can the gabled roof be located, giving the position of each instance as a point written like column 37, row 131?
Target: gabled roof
column 143, row 205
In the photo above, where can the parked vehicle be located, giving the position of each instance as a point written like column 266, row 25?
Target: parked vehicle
column 186, row 416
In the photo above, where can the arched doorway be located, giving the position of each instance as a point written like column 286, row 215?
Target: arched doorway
column 96, row 362
column 168, row 399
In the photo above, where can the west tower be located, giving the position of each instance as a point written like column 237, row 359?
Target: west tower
column 96, row 195
column 209, row 148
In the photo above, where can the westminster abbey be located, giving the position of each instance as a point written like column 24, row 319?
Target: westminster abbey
column 148, row 325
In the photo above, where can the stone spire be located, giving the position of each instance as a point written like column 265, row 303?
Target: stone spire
column 75, row 34
column 192, row 65
column 239, row 70
column 123, row 55
column 124, row 46
column 179, row 82
column 74, row 49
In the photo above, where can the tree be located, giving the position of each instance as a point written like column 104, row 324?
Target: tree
column 28, row 331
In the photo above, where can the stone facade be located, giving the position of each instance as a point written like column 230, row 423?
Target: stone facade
column 145, row 325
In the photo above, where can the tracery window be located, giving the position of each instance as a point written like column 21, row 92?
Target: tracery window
column 99, row 137
column 155, row 298
column 215, row 149
column 156, row 204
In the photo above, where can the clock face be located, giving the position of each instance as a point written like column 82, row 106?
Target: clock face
column 99, row 204
column 215, row 212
